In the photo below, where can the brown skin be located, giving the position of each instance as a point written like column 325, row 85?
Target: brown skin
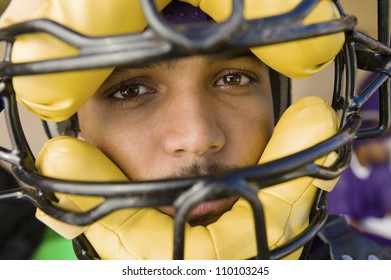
column 372, row 152
column 186, row 117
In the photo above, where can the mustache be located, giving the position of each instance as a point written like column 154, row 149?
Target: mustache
column 197, row 170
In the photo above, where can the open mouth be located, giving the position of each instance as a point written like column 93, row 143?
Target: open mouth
column 204, row 213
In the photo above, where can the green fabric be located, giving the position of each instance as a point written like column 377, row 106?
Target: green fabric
column 54, row 247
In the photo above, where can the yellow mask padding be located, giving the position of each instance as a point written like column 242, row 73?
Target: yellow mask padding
column 56, row 97
column 148, row 234
column 296, row 59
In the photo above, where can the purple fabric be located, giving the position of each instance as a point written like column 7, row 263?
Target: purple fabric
column 362, row 198
column 181, row 12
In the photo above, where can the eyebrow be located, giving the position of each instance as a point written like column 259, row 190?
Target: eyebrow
column 232, row 56
column 210, row 59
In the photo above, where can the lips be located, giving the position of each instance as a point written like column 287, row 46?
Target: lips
column 206, row 212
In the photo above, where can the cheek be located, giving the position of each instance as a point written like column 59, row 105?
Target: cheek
column 258, row 132
column 118, row 136
column 252, row 129
column 130, row 152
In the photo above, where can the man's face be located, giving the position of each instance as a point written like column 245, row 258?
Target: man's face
column 182, row 118
column 373, row 152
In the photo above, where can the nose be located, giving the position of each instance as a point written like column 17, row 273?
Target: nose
column 194, row 126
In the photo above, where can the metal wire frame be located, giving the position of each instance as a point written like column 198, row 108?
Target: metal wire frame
column 165, row 41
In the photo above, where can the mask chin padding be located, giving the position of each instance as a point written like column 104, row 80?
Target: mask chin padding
column 148, row 234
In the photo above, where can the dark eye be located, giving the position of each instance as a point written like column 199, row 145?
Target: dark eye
column 233, row 79
column 130, row 91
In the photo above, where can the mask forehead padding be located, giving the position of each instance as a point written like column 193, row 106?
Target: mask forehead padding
column 296, row 59
column 56, row 97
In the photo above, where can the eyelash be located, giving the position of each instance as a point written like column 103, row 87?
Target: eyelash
column 125, row 85
column 252, row 77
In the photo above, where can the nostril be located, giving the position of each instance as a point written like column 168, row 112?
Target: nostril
column 214, row 148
